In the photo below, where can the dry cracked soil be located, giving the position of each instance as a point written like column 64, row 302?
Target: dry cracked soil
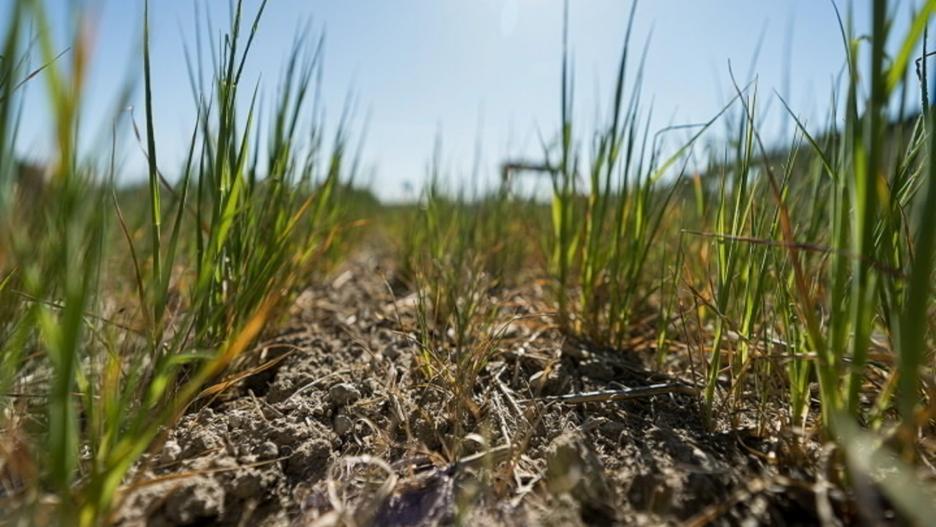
column 338, row 427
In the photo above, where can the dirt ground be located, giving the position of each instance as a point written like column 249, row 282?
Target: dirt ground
column 342, row 429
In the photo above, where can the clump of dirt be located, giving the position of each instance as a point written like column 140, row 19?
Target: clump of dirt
column 344, row 426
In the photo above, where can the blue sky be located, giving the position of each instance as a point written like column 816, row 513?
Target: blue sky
column 466, row 69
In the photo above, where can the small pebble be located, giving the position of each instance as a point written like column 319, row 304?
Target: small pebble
column 170, row 452
column 343, row 394
column 343, row 424
column 268, row 450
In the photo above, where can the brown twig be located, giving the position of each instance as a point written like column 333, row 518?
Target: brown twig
column 623, row 394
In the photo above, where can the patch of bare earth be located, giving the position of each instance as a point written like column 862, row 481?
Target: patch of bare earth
column 344, row 430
